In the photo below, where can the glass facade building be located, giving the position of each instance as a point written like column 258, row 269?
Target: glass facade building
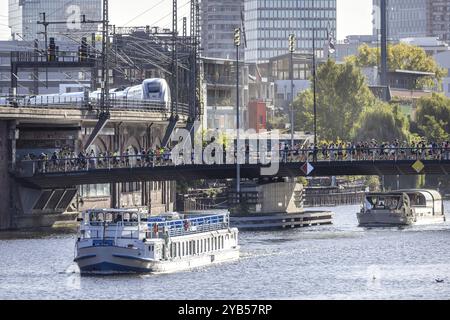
column 439, row 19
column 219, row 18
column 406, row 18
column 415, row 18
column 24, row 15
column 269, row 22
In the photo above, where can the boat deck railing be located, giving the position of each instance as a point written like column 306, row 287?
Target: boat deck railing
column 176, row 228
column 157, row 229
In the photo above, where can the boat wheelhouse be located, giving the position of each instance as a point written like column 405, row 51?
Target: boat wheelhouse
column 116, row 241
column 402, row 207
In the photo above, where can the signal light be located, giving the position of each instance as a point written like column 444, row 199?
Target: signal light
column 292, row 43
column 237, row 37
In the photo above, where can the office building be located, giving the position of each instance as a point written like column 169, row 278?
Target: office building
column 414, row 18
column 24, row 15
column 219, row 18
column 269, row 22
column 220, row 93
column 439, row 19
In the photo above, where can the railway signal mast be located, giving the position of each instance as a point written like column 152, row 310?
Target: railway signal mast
column 237, row 43
column 104, row 100
column 104, row 114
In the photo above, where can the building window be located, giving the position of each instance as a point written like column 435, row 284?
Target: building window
column 95, row 190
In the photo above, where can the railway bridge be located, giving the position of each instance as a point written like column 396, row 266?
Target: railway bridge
column 73, row 125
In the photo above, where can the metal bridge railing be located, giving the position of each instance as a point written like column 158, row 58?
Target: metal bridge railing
column 30, row 167
column 55, row 102
column 26, row 56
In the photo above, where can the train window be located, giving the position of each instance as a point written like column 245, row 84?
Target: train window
column 153, row 88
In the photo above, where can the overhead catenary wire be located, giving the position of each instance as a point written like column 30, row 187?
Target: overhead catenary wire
column 154, row 50
column 144, row 12
column 169, row 14
column 99, row 52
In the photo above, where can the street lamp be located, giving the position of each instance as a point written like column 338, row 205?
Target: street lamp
column 314, row 94
column 291, row 71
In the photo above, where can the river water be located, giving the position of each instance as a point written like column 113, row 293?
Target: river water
column 340, row 261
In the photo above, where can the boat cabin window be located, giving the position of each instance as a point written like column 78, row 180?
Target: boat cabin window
column 417, row 199
column 384, row 202
column 113, row 217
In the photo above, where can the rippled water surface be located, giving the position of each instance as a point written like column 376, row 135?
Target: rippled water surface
column 340, row 261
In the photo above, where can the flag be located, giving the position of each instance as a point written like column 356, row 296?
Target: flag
column 243, row 29
column 331, row 40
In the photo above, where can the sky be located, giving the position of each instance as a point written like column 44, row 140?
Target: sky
column 353, row 16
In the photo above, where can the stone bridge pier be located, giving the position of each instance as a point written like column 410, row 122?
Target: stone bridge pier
column 28, row 206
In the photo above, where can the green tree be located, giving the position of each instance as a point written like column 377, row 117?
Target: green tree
column 342, row 94
column 383, row 122
column 403, row 57
column 277, row 121
column 373, row 182
column 433, row 117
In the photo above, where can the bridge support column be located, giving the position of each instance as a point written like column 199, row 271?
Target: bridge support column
column 115, row 187
column 8, row 136
column 115, row 195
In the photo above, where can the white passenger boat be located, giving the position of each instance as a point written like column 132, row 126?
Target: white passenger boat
column 127, row 241
column 402, row 207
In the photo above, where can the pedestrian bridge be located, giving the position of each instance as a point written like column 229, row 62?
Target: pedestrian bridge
column 63, row 173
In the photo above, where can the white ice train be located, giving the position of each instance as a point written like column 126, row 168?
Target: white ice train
column 154, row 90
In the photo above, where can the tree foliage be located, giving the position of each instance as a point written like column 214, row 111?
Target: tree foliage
column 433, row 117
column 277, row 122
column 382, row 122
column 403, row 57
column 342, row 94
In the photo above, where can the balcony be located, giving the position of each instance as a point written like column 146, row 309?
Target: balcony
column 223, row 80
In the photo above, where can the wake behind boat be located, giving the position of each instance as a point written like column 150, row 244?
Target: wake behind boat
column 402, row 207
column 128, row 241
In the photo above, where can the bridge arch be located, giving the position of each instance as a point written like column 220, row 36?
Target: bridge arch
column 98, row 146
column 132, row 145
column 156, row 137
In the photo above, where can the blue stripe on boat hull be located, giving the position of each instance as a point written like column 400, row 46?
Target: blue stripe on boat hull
column 84, row 257
column 107, row 267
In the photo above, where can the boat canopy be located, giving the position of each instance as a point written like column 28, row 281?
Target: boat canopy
column 432, row 195
column 427, row 198
column 417, row 198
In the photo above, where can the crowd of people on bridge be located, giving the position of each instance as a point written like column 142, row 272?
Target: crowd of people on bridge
column 66, row 159
column 370, row 150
